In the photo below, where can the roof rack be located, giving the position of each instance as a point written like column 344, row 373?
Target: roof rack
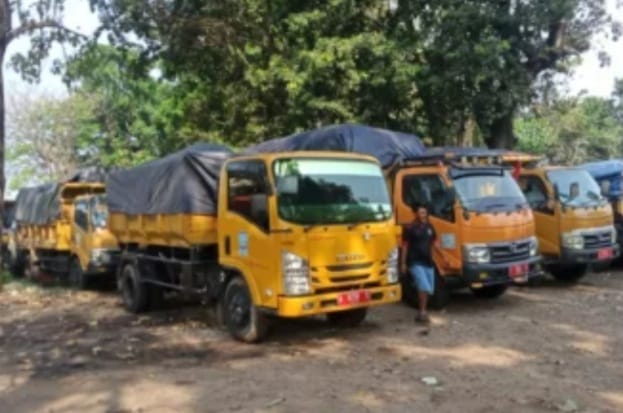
column 457, row 157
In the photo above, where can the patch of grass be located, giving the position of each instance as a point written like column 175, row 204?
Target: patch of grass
column 7, row 277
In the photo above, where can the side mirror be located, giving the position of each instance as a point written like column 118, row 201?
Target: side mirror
column 259, row 209
column 288, row 185
column 556, row 192
column 451, row 195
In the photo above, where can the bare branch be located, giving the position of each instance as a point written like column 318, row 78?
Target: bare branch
column 32, row 26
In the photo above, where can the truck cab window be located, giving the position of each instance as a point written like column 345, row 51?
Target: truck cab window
column 247, row 191
column 429, row 190
column 81, row 213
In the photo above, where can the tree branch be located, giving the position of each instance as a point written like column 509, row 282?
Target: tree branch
column 33, row 25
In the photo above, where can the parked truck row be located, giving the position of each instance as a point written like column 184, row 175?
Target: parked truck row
column 310, row 224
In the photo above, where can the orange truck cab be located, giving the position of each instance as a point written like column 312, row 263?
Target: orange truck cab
column 574, row 222
column 484, row 225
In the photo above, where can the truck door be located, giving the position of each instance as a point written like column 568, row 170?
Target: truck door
column 80, row 231
column 245, row 242
column 545, row 217
column 429, row 188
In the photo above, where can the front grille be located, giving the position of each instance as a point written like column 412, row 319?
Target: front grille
column 510, row 252
column 349, row 279
column 597, row 239
column 349, row 267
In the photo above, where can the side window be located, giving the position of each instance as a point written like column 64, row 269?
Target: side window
column 429, row 190
column 81, row 213
column 247, row 185
column 534, row 191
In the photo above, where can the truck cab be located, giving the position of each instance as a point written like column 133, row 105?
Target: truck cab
column 312, row 233
column 574, row 222
column 609, row 176
column 94, row 249
column 484, row 225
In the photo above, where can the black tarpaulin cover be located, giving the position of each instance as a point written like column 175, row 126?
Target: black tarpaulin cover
column 41, row 204
column 385, row 145
column 184, row 182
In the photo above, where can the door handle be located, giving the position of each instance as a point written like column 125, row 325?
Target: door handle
column 227, row 245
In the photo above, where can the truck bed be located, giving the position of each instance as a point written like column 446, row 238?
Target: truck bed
column 167, row 230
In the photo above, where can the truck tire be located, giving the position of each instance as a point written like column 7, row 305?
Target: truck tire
column 133, row 291
column 409, row 292
column 348, row 318
column 77, row 278
column 16, row 266
column 490, row 292
column 568, row 274
column 241, row 317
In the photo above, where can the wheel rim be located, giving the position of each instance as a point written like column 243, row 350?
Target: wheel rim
column 239, row 309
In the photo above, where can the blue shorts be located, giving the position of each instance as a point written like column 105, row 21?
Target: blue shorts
column 424, row 278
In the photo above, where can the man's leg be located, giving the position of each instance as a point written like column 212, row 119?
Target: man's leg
column 424, row 287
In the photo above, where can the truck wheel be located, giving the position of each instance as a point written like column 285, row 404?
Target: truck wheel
column 77, row 277
column 490, row 292
column 441, row 297
column 409, row 292
column 348, row 318
column 16, row 266
column 133, row 291
column 156, row 297
column 568, row 274
column 242, row 318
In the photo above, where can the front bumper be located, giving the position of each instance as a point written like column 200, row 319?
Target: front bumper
column 482, row 275
column 573, row 257
column 327, row 303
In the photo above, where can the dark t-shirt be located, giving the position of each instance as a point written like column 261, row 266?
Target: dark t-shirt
column 419, row 239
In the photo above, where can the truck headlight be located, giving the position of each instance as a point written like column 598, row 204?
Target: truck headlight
column 393, row 270
column 295, row 272
column 477, row 253
column 534, row 246
column 572, row 240
column 100, row 256
column 614, row 235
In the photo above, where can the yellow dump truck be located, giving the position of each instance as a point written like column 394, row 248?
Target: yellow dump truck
column 574, row 222
column 287, row 235
column 58, row 231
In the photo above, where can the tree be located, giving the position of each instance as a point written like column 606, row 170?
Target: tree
column 486, row 57
column 253, row 69
column 41, row 20
column 49, row 137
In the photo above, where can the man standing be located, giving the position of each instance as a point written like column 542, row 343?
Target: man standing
column 419, row 239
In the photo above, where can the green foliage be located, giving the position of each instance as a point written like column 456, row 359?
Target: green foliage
column 573, row 131
column 49, row 137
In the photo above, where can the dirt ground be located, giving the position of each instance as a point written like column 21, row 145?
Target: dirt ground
column 550, row 348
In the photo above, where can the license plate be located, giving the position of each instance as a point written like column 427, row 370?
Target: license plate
column 518, row 270
column 604, row 254
column 353, row 297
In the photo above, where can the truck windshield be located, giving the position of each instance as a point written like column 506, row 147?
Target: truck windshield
column 99, row 211
column 330, row 191
column 576, row 187
column 489, row 193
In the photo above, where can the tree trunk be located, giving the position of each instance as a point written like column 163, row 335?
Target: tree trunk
column 500, row 134
column 2, row 175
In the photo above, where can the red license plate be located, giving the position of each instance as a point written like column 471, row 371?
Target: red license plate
column 353, row 297
column 518, row 270
column 604, row 254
